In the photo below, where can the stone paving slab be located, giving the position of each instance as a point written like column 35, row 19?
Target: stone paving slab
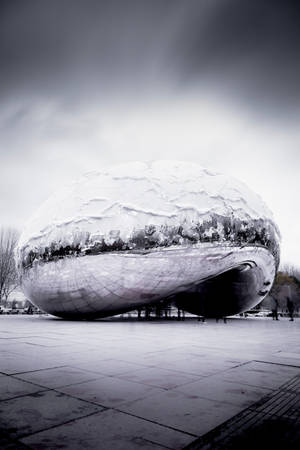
column 109, row 430
column 12, row 364
column 58, row 377
column 126, row 384
column 28, row 414
column 157, row 377
column 11, row 387
column 218, row 389
column 109, row 366
column 190, row 363
column 110, row 391
column 274, row 421
column 258, row 374
column 184, row 412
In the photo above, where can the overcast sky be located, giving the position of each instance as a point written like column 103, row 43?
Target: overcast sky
column 86, row 84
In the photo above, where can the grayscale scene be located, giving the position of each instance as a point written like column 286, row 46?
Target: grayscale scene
column 149, row 238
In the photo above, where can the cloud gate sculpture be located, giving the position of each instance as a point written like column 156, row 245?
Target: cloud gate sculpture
column 138, row 233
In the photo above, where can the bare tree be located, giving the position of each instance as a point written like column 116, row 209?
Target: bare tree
column 9, row 279
column 291, row 270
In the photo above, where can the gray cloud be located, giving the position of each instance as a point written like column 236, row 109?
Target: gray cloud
column 76, row 50
column 87, row 83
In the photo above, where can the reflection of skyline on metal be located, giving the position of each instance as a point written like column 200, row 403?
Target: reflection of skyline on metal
column 138, row 233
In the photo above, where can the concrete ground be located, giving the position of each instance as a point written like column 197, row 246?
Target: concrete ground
column 131, row 385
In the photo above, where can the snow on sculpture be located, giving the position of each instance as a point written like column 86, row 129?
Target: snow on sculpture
column 138, row 233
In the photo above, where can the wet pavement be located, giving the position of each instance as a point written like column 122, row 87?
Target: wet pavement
column 126, row 384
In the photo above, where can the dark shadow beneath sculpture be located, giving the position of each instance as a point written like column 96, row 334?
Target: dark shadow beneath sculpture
column 229, row 293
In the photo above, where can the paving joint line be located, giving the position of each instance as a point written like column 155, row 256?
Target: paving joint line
column 277, row 364
column 36, row 370
column 155, row 422
column 48, row 389
column 58, row 425
column 23, row 395
column 250, row 417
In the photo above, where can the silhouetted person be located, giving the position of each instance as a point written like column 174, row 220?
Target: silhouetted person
column 221, row 317
column 275, row 308
column 203, row 311
column 290, row 307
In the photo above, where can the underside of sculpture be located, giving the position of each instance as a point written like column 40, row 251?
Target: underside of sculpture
column 138, row 233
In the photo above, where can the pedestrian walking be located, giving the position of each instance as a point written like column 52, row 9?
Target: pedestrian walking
column 275, row 308
column 221, row 317
column 290, row 307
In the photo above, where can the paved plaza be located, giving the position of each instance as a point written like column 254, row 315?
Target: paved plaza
column 127, row 384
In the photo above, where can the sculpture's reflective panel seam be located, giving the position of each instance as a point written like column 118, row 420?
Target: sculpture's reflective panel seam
column 139, row 233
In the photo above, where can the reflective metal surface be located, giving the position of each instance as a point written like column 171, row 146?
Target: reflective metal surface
column 138, row 233
column 110, row 283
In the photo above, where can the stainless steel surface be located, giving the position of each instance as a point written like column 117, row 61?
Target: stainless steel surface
column 135, row 234
column 109, row 283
